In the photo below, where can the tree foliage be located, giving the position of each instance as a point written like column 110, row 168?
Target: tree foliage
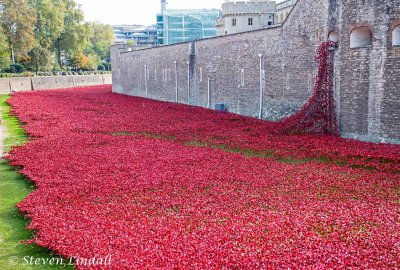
column 75, row 34
column 4, row 51
column 49, row 21
column 55, row 29
column 102, row 37
column 39, row 57
column 17, row 19
column 130, row 43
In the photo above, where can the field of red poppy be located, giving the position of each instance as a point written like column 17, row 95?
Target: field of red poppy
column 164, row 185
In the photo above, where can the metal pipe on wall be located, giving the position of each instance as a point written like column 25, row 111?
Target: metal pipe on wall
column 145, row 80
column 209, row 93
column 188, row 79
column 176, row 81
column 260, row 56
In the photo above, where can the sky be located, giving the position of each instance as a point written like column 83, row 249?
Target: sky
column 136, row 11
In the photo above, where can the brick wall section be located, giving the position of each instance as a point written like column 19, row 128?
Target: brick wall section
column 366, row 79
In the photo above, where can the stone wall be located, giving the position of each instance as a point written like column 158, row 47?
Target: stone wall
column 52, row 82
column 232, row 64
column 366, row 79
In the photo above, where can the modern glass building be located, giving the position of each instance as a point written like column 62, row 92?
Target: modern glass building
column 182, row 25
column 144, row 36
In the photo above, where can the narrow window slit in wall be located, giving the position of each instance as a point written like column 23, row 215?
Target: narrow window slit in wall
column 242, row 77
column 201, row 74
column 250, row 21
column 317, row 36
column 310, row 82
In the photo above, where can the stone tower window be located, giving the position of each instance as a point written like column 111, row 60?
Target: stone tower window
column 233, row 21
column 396, row 36
column 250, row 21
column 361, row 37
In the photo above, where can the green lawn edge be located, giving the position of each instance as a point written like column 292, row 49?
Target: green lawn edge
column 14, row 187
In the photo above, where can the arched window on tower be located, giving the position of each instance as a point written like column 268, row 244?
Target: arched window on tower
column 361, row 37
column 333, row 36
column 396, row 36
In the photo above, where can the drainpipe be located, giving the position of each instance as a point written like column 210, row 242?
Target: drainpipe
column 176, row 81
column 188, row 79
column 260, row 56
column 209, row 93
column 145, row 80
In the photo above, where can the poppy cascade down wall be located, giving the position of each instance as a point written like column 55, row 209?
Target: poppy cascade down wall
column 271, row 73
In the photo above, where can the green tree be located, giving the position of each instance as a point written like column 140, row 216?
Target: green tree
column 101, row 39
column 101, row 33
column 17, row 22
column 79, row 60
column 130, row 43
column 75, row 34
column 39, row 57
column 93, row 63
column 4, row 51
column 49, row 21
